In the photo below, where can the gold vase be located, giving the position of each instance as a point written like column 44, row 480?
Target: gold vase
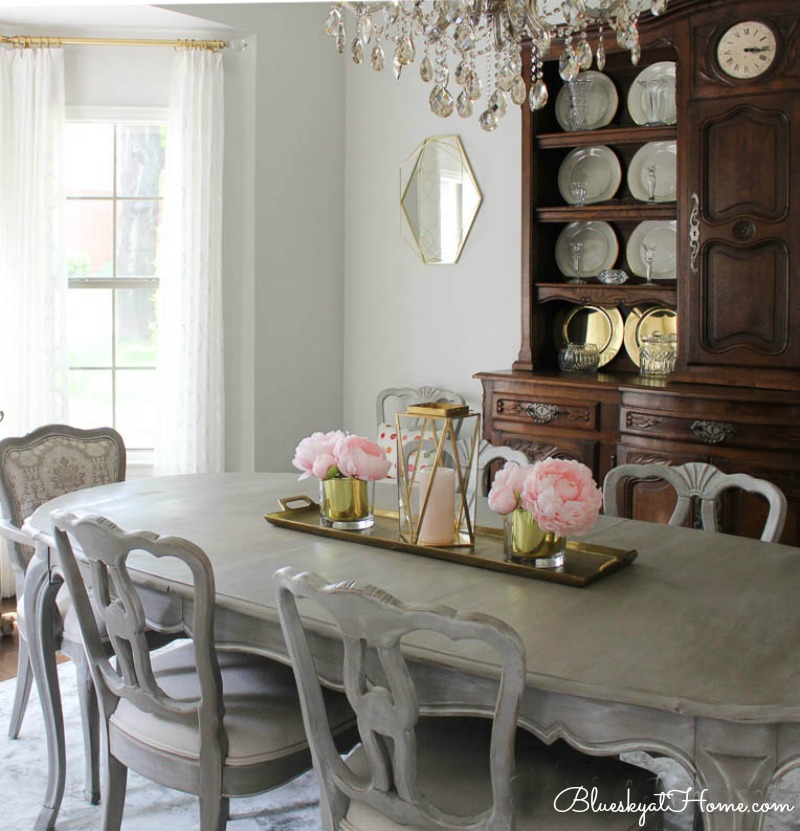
column 346, row 504
column 526, row 542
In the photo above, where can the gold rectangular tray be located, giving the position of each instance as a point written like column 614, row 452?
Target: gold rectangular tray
column 585, row 562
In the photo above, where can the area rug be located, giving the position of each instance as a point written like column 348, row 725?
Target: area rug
column 148, row 807
column 294, row 807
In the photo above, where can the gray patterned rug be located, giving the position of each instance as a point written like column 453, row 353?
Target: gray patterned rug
column 293, row 807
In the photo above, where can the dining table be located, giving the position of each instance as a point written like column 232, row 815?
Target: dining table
column 690, row 651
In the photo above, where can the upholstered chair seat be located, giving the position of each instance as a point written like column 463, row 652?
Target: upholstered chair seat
column 262, row 718
column 453, row 765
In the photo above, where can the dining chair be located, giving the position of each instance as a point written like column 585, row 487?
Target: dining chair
column 451, row 773
column 704, row 482
column 488, row 453
column 46, row 463
column 396, row 399
column 207, row 720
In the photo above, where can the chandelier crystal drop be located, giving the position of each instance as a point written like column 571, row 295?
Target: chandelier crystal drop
column 482, row 40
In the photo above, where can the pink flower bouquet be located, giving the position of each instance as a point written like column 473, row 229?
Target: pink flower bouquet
column 340, row 455
column 506, row 490
column 562, row 496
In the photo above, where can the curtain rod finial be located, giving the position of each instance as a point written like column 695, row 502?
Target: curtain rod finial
column 237, row 44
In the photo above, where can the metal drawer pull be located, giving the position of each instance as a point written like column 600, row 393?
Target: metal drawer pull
column 694, row 232
column 712, row 432
column 541, row 413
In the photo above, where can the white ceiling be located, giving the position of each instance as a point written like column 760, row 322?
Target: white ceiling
column 66, row 18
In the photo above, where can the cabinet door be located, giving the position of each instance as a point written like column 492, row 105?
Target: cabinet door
column 743, row 237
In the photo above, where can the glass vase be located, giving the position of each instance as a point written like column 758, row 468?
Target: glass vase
column 525, row 542
column 346, row 504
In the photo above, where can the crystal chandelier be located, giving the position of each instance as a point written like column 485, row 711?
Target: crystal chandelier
column 484, row 39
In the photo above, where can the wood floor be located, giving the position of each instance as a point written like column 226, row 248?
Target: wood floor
column 9, row 645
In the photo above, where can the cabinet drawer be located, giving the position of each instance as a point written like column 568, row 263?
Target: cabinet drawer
column 724, row 431
column 552, row 409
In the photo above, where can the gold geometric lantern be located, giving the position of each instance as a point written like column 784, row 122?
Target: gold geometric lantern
column 437, row 474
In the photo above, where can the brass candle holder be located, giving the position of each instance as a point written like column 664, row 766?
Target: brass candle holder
column 437, row 474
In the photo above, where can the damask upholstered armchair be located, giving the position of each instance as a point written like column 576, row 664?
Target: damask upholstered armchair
column 46, row 463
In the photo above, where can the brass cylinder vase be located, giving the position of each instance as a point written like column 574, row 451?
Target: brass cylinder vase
column 526, row 542
column 346, row 504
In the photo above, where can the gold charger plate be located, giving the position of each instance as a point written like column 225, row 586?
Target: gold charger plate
column 584, row 564
column 602, row 325
column 647, row 320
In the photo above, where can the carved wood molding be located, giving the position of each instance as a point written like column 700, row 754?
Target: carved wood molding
column 643, row 421
column 542, row 412
column 537, row 450
column 645, row 457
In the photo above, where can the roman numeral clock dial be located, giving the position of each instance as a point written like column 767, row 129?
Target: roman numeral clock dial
column 746, row 50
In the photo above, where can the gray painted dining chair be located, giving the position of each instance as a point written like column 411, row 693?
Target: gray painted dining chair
column 395, row 400
column 219, row 723
column 42, row 465
column 449, row 773
column 704, row 482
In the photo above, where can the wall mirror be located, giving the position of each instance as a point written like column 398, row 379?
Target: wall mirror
column 439, row 199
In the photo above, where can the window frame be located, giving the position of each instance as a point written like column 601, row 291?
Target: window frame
column 140, row 460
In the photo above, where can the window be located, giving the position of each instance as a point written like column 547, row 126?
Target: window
column 114, row 173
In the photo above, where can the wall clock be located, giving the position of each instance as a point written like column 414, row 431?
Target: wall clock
column 747, row 49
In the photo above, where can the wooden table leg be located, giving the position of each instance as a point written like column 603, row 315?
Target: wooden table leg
column 40, row 602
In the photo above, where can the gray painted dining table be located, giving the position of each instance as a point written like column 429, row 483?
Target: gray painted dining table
column 691, row 651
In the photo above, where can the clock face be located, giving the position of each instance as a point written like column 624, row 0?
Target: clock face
column 747, row 49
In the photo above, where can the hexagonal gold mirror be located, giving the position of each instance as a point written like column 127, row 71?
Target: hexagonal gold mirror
column 439, row 198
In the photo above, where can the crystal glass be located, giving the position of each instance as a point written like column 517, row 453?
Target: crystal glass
column 580, row 91
column 652, row 178
column 579, row 190
column 655, row 99
column 648, row 254
column 579, row 357
column 576, row 249
column 613, row 276
column 657, row 354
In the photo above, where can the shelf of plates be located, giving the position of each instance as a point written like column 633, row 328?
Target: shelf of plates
column 628, row 170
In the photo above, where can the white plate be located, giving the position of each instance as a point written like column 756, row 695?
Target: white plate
column 665, row 70
column 600, row 248
column 663, row 234
column 663, row 156
column 603, row 102
column 597, row 167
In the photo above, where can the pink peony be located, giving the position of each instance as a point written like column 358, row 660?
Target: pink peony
column 313, row 447
column 360, row 458
column 507, row 486
column 562, row 496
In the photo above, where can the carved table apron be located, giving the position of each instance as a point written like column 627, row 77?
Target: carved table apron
column 692, row 651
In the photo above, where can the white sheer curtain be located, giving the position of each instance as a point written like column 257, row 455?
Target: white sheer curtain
column 33, row 276
column 192, row 417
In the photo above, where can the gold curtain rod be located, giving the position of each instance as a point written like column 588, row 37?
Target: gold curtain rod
column 28, row 41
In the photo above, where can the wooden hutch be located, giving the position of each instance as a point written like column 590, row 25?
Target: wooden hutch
column 734, row 398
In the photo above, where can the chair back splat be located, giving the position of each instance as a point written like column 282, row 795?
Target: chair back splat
column 381, row 690
column 216, row 722
column 704, row 482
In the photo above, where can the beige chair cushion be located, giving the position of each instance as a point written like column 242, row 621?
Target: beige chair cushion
column 67, row 621
column 263, row 719
column 453, row 765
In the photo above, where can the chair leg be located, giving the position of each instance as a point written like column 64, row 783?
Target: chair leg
column 22, row 691
column 214, row 810
column 90, row 718
column 115, row 786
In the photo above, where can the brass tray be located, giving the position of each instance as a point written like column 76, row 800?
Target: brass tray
column 585, row 562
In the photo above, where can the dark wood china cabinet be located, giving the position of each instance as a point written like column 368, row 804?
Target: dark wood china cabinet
column 734, row 397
